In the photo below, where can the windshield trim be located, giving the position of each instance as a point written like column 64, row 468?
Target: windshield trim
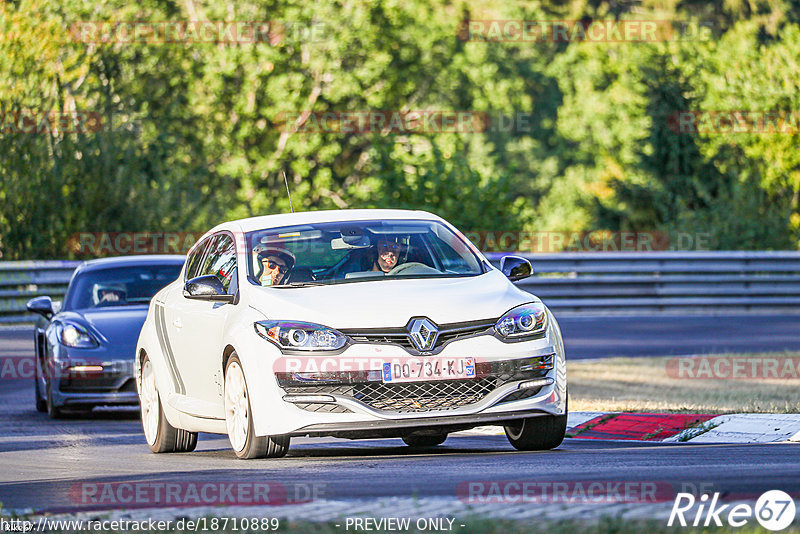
column 456, row 235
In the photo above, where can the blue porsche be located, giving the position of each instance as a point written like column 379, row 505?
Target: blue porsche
column 85, row 347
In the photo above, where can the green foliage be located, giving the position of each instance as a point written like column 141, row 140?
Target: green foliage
column 195, row 133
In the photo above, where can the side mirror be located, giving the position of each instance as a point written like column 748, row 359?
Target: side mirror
column 41, row 305
column 206, row 287
column 516, row 268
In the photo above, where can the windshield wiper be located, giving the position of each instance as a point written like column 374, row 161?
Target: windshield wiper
column 302, row 284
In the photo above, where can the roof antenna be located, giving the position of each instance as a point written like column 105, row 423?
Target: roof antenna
column 287, row 191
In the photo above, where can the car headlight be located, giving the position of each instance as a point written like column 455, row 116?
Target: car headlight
column 528, row 320
column 76, row 336
column 295, row 335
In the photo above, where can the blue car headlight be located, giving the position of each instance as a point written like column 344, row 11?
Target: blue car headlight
column 76, row 336
column 528, row 320
column 297, row 335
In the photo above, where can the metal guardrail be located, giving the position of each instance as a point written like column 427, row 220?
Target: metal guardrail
column 664, row 281
column 566, row 281
column 23, row 280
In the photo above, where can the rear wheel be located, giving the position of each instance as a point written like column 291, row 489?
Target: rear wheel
column 239, row 420
column 160, row 435
column 537, row 433
column 424, row 441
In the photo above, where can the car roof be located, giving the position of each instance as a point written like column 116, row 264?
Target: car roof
column 132, row 261
column 308, row 217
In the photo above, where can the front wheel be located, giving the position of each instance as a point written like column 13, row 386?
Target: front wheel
column 537, row 433
column 160, row 435
column 239, row 420
column 55, row 412
column 41, row 402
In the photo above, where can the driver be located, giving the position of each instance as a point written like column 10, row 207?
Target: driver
column 109, row 295
column 274, row 266
column 388, row 254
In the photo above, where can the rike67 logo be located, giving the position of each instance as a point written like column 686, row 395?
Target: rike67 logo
column 774, row 510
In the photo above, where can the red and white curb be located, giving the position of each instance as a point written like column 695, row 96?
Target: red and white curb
column 747, row 428
column 680, row 427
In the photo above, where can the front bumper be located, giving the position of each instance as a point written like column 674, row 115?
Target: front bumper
column 495, row 382
column 114, row 385
column 370, row 408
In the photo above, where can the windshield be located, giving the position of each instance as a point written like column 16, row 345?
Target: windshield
column 121, row 286
column 354, row 251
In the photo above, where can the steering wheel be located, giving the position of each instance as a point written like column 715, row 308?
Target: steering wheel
column 403, row 266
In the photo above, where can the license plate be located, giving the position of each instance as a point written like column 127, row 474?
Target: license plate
column 423, row 369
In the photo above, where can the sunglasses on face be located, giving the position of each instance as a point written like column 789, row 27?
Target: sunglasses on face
column 275, row 265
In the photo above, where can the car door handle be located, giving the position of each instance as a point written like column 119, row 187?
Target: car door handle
column 177, row 323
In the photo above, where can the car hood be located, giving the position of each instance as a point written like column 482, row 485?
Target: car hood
column 391, row 303
column 116, row 326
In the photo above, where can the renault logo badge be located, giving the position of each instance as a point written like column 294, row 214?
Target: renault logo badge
column 423, row 333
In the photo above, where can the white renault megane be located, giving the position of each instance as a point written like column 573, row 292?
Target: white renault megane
column 353, row 323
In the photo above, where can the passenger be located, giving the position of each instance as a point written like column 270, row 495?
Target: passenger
column 274, row 266
column 388, row 254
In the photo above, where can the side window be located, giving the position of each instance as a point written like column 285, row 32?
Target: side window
column 450, row 259
column 193, row 261
column 220, row 260
column 204, row 265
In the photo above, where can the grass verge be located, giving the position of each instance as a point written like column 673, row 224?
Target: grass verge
column 644, row 385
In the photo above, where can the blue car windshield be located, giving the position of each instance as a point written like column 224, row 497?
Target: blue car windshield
column 120, row 286
column 358, row 251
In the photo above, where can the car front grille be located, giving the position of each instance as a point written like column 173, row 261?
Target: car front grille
column 435, row 395
column 424, row 396
column 101, row 383
column 401, row 337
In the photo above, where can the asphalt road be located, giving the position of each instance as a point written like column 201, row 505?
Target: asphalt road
column 59, row 465
column 48, row 465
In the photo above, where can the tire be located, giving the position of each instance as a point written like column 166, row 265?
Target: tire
column 159, row 434
column 424, row 441
column 55, row 412
column 239, row 422
column 41, row 402
column 537, row 433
